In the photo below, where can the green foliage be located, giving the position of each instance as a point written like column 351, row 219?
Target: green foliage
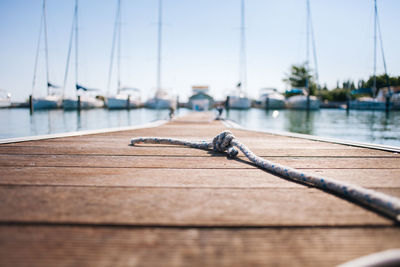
column 381, row 81
column 337, row 94
column 341, row 94
column 298, row 76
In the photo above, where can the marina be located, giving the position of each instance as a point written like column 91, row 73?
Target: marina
column 357, row 125
column 199, row 133
column 190, row 206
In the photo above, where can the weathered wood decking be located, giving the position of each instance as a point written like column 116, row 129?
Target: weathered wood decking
column 94, row 200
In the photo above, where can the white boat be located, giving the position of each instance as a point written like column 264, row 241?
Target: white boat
column 162, row 99
column 53, row 99
column 83, row 98
column 301, row 98
column 86, row 102
column 367, row 103
column 47, row 102
column 270, row 98
column 300, row 102
column 238, row 98
column 125, row 99
column 238, row 101
column 5, row 99
column 379, row 101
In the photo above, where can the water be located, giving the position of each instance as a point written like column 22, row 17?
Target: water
column 19, row 123
column 357, row 125
column 363, row 126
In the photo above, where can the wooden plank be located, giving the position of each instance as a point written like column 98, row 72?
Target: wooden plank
column 182, row 206
column 227, row 178
column 105, row 246
column 122, row 148
column 218, row 161
column 168, row 205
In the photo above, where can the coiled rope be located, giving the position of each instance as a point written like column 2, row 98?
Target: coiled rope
column 226, row 141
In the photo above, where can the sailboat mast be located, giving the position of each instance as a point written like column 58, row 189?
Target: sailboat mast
column 73, row 27
column 37, row 50
column 113, row 46
column 76, row 43
column 159, row 45
column 314, row 48
column 119, row 49
column 307, row 44
column 242, row 55
column 383, row 52
column 46, row 47
column 375, row 24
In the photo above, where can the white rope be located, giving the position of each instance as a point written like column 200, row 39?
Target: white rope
column 226, row 141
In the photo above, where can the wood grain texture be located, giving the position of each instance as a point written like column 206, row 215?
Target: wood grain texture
column 104, row 246
column 122, row 148
column 182, row 206
column 227, row 178
column 94, row 200
column 216, row 161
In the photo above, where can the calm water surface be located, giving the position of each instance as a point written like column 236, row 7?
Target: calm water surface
column 363, row 126
column 357, row 125
column 19, row 123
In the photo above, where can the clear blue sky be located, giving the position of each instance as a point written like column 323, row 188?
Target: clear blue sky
column 200, row 45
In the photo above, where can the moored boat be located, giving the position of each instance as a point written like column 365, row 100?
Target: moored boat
column 303, row 102
column 270, row 98
column 82, row 98
column 53, row 99
column 47, row 102
column 238, row 100
column 125, row 99
column 162, row 98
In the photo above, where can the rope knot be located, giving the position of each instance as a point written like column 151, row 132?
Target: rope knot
column 222, row 143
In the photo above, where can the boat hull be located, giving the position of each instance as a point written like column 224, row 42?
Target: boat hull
column 367, row 105
column 300, row 102
column 239, row 102
column 120, row 103
column 46, row 103
column 158, row 103
column 272, row 103
column 70, row 104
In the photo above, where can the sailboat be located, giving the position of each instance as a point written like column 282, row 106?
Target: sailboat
column 162, row 99
column 238, row 99
column 53, row 98
column 378, row 101
column 83, row 100
column 305, row 100
column 270, row 98
column 126, row 97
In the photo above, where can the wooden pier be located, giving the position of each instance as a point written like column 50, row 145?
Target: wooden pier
column 94, row 200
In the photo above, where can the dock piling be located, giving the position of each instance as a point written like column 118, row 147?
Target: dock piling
column 79, row 103
column 30, row 104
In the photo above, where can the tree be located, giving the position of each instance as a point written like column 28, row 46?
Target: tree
column 298, row 76
column 382, row 81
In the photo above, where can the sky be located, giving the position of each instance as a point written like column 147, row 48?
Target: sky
column 200, row 45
